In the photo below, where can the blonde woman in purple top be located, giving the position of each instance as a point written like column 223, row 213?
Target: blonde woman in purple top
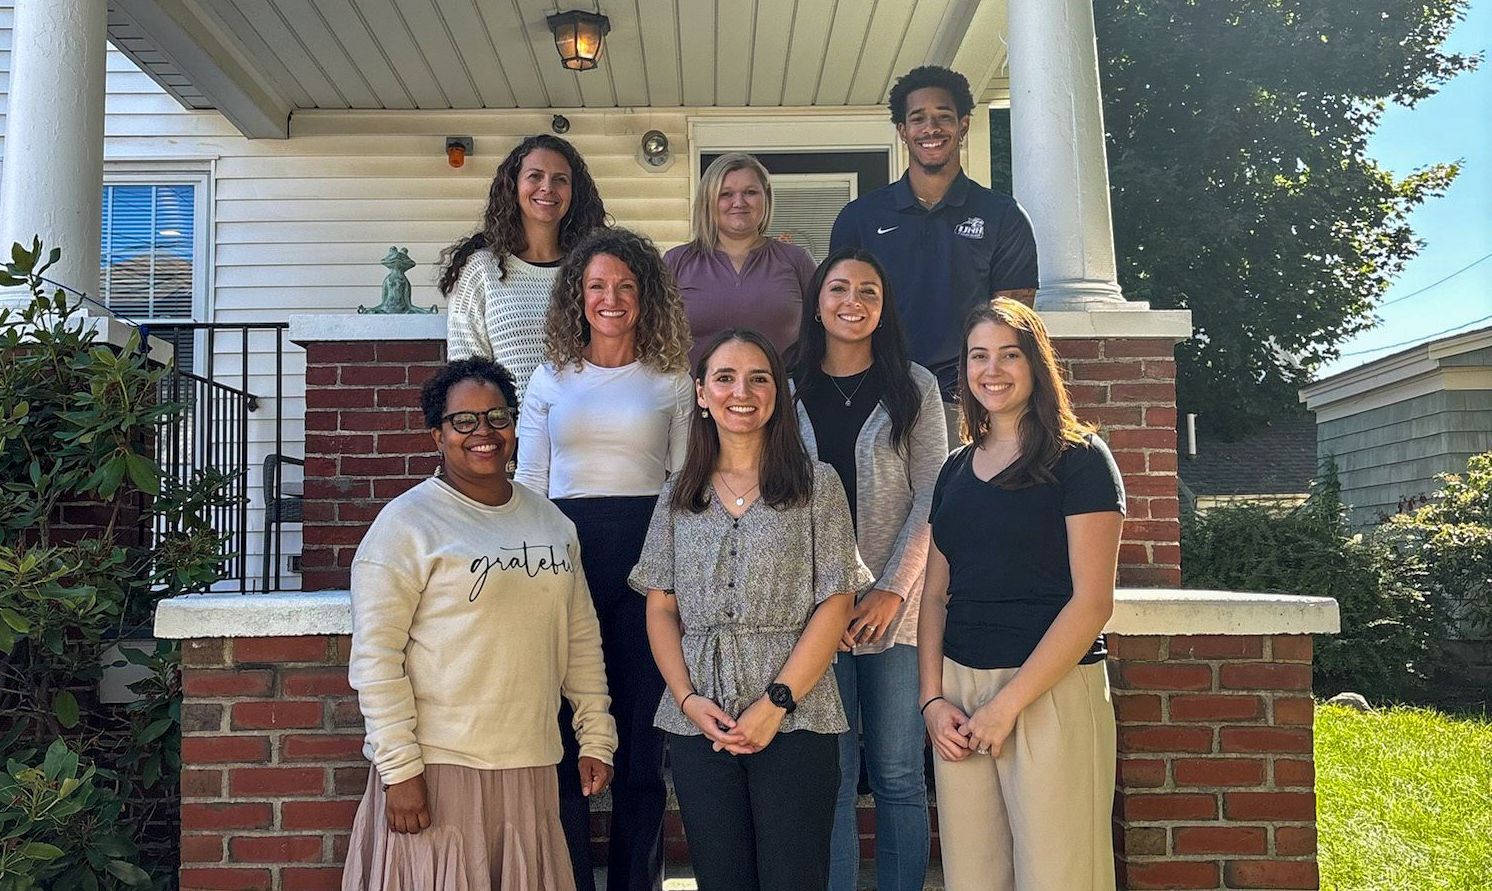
column 730, row 274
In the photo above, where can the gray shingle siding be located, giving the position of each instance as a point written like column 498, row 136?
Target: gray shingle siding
column 1395, row 451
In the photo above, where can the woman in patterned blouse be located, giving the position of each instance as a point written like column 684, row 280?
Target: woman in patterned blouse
column 750, row 568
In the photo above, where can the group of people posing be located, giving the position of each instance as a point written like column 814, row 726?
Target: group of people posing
column 703, row 503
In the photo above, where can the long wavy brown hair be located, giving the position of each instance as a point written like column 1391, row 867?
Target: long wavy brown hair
column 662, row 336
column 785, row 471
column 502, row 221
column 1048, row 425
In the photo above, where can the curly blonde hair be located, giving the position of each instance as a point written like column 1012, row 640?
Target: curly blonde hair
column 663, row 337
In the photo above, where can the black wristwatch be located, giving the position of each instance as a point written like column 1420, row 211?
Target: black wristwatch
column 781, row 695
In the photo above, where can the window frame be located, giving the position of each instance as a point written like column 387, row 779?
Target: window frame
column 141, row 174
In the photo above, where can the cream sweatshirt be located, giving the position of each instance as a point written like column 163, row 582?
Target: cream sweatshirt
column 469, row 623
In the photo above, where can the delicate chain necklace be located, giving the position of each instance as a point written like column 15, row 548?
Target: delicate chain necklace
column 864, row 376
column 740, row 498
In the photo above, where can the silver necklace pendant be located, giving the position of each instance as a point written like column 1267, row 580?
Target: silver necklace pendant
column 740, row 501
column 846, row 403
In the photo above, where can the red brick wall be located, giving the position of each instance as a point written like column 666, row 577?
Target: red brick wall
column 272, row 765
column 1216, row 775
column 1215, row 790
column 1128, row 387
column 366, row 442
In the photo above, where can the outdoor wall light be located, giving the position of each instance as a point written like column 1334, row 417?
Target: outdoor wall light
column 457, row 148
column 559, row 124
column 579, row 36
column 655, row 148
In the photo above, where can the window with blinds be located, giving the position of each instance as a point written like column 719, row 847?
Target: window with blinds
column 804, row 207
column 147, row 262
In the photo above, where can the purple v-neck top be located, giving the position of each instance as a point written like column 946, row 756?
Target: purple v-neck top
column 767, row 294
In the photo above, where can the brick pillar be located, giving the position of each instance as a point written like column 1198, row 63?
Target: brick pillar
column 366, row 443
column 1128, row 388
column 271, row 763
column 1216, row 781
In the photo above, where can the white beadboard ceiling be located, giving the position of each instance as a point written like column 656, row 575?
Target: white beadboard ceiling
column 260, row 60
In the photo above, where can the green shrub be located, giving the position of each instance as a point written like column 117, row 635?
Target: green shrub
column 60, row 828
column 1448, row 542
column 77, row 420
column 1387, row 646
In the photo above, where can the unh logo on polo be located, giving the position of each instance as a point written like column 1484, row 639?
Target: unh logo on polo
column 973, row 227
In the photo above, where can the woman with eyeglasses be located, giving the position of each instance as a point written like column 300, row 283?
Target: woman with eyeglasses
column 471, row 619
column 605, row 420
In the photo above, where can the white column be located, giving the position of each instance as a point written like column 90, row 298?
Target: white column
column 54, row 139
column 1059, row 165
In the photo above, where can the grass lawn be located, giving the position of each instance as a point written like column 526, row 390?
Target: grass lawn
column 1405, row 800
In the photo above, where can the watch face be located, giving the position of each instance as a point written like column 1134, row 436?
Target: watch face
column 781, row 696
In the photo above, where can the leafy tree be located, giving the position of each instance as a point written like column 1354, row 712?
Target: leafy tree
column 1242, row 189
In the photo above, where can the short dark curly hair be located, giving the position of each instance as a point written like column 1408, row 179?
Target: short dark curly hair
column 930, row 76
column 477, row 368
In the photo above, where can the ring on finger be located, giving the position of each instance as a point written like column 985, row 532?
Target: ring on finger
column 983, row 750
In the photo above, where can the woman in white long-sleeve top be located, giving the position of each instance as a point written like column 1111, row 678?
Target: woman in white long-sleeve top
column 605, row 420
column 471, row 618
column 876, row 418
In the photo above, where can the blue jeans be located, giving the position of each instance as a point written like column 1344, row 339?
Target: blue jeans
column 880, row 697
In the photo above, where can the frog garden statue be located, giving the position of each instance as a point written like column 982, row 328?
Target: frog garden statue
column 396, row 298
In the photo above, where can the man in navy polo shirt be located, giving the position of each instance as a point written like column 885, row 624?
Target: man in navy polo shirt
column 948, row 243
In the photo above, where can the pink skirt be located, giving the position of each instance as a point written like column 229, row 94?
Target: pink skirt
column 490, row 830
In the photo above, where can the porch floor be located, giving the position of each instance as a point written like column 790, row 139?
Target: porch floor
column 679, row 877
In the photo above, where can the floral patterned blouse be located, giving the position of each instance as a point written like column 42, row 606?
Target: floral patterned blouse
column 746, row 588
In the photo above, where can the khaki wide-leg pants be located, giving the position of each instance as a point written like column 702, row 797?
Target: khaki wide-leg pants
column 1038, row 817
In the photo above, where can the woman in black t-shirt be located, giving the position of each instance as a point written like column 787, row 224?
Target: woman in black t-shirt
column 1020, row 582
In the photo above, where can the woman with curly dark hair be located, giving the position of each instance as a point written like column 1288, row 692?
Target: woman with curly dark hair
column 541, row 203
column 605, row 420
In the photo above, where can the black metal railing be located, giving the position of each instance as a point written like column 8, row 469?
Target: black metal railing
column 230, row 378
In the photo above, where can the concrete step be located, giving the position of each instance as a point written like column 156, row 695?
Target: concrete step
column 679, row 877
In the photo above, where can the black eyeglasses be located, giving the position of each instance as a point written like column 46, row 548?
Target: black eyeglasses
column 468, row 421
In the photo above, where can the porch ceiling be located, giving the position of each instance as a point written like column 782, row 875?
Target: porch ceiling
column 260, row 60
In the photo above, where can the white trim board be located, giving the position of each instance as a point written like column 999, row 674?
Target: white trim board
column 1136, row 611
column 1408, row 368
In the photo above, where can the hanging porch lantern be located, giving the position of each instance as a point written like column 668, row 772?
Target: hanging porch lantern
column 579, row 36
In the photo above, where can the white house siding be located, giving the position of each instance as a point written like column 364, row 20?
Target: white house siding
column 299, row 225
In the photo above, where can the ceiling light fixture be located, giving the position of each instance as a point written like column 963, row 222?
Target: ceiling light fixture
column 579, row 36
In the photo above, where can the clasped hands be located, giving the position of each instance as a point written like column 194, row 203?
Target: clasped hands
column 745, row 735
column 956, row 735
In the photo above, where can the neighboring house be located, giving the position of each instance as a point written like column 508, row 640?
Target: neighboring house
column 260, row 158
column 1272, row 466
column 1394, row 423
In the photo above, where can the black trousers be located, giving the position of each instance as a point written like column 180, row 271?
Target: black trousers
column 758, row 822
column 611, row 532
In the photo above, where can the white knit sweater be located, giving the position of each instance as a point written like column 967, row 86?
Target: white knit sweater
column 500, row 318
